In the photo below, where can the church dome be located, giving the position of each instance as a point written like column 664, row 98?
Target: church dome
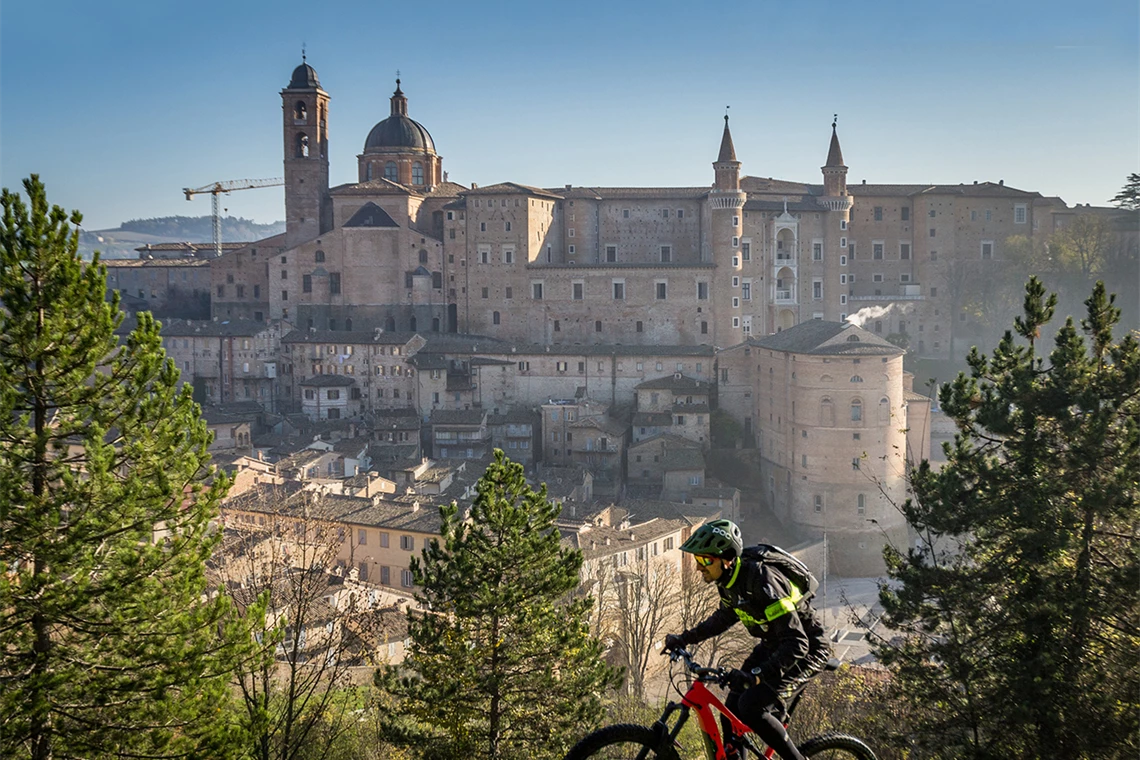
column 304, row 78
column 398, row 131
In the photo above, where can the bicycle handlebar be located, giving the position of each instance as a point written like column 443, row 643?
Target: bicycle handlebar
column 709, row 675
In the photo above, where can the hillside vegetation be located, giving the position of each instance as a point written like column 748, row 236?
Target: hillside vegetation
column 121, row 242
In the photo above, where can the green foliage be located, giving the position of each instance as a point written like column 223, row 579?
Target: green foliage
column 501, row 663
column 110, row 644
column 900, row 339
column 1021, row 624
column 1129, row 196
column 234, row 229
column 726, row 432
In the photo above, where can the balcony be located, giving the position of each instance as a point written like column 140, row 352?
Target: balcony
column 785, row 297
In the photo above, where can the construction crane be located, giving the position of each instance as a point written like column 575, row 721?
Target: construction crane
column 227, row 187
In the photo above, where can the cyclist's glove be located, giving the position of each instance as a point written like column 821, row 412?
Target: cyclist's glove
column 740, row 680
column 673, row 641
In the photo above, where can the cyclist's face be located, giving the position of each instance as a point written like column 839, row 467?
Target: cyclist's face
column 710, row 567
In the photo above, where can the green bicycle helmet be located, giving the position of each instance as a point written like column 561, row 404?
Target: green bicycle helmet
column 719, row 538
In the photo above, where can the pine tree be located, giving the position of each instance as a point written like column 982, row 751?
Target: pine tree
column 1129, row 196
column 110, row 644
column 1021, row 619
column 501, row 663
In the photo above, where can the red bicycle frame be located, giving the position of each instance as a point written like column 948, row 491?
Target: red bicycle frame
column 698, row 698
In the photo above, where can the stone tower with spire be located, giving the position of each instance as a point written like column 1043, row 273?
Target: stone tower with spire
column 835, row 175
column 726, row 207
column 305, row 109
column 838, row 202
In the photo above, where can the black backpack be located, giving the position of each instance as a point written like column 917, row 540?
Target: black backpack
column 794, row 570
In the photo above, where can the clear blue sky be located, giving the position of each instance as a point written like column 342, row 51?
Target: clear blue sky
column 118, row 105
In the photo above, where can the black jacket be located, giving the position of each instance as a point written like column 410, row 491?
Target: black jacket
column 746, row 592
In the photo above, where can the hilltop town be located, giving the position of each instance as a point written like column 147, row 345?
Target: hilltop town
column 657, row 356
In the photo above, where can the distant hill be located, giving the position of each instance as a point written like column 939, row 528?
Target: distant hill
column 120, row 242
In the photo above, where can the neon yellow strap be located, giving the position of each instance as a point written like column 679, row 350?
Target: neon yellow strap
column 735, row 572
column 782, row 607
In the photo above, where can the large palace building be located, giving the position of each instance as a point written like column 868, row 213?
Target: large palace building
column 405, row 290
column 405, row 249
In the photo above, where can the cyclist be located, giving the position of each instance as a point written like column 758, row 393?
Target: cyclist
column 793, row 646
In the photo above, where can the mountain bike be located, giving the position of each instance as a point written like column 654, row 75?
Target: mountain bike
column 659, row 741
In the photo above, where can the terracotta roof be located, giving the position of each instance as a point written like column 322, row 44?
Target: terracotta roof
column 682, row 459
column 603, row 423
column 980, row 189
column 183, row 328
column 768, row 185
column 633, row 193
column 349, row 337
column 458, row 416
column 133, row 263
column 329, row 381
column 817, row 336
column 513, row 188
column 446, row 190
column 372, row 187
column 672, row 382
column 190, row 248
column 666, row 440
column 791, row 205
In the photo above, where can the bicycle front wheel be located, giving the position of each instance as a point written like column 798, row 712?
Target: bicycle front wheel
column 623, row 742
column 836, row 747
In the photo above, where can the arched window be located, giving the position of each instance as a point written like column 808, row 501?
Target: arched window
column 435, row 324
column 368, row 172
column 300, row 111
column 852, row 338
column 348, row 323
column 856, row 379
column 423, row 256
column 390, row 171
column 826, row 413
column 390, row 324
column 884, row 410
column 412, row 326
column 319, row 256
column 827, row 379
column 856, row 410
column 417, row 173
column 302, row 146
column 495, row 318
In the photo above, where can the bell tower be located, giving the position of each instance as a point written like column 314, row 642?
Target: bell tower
column 305, row 108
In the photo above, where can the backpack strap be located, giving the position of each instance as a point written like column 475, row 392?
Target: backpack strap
column 782, row 607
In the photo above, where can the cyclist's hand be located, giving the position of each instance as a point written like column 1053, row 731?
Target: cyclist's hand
column 673, row 641
column 739, row 680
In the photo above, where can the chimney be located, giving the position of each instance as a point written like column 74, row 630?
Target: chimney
column 1001, row 182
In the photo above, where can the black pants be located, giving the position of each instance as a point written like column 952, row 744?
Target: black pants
column 762, row 707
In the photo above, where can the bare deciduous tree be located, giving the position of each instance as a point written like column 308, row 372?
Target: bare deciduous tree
column 315, row 627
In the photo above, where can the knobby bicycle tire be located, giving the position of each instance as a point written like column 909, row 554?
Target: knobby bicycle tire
column 622, row 742
column 838, row 746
